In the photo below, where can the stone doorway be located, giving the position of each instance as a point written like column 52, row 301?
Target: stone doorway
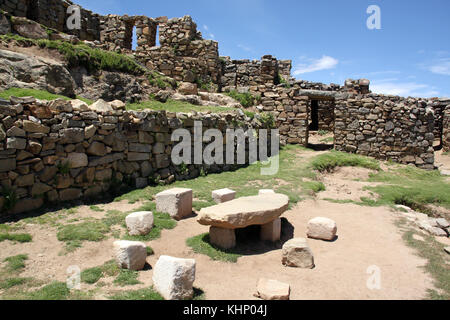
column 321, row 123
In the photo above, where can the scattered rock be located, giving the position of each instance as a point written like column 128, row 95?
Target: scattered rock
column 266, row 191
column 442, row 223
column 78, row 105
column 223, row 195
column 139, row 223
column 176, row 202
column 130, row 255
column 173, row 278
column 272, row 290
column 296, row 253
column 117, row 105
column 188, row 88
column 322, row 229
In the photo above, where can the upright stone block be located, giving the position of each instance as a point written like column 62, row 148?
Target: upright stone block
column 296, row 253
column 173, row 278
column 223, row 195
column 272, row 290
column 176, row 202
column 271, row 231
column 222, row 238
column 139, row 223
column 322, row 229
column 130, row 254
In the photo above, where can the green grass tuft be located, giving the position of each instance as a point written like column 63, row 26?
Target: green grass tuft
column 201, row 244
column 38, row 94
column 91, row 275
column 16, row 237
column 12, row 282
column 175, row 106
column 329, row 161
column 16, row 263
column 142, row 294
column 85, row 231
column 127, row 278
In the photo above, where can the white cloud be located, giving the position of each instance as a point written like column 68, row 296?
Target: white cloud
column 205, row 27
column 404, row 89
column 324, row 63
column 441, row 67
column 245, row 48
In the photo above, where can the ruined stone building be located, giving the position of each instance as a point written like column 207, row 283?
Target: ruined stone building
column 137, row 145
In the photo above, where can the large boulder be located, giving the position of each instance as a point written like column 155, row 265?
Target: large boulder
column 31, row 72
column 130, row 255
column 29, row 29
column 173, row 278
column 188, row 88
column 139, row 223
column 322, row 229
column 296, row 253
column 244, row 212
column 5, row 25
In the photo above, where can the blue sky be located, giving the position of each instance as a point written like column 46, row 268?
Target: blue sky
column 327, row 40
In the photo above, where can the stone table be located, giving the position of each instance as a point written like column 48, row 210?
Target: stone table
column 264, row 210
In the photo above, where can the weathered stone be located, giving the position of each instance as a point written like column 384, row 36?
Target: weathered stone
column 39, row 189
column 25, row 181
column 139, row 223
column 30, row 126
column 78, row 105
column 28, row 204
column 117, row 105
column 77, row 160
column 71, row 135
column 101, row 106
column 322, row 229
column 244, row 212
column 296, row 253
column 222, row 238
column 135, row 156
column 130, row 255
column 16, row 143
column 60, row 105
column 15, row 132
column 173, row 278
column 29, row 29
column 188, row 88
column 176, row 202
column 223, row 195
column 266, row 191
column 7, row 164
column 272, row 290
column 271, row 231
column 442, row 223
column 34, row 147
column 103, row 175
column 70, row 194
column 96, row 149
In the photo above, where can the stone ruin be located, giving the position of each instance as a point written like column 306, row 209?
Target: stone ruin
column 106, row 146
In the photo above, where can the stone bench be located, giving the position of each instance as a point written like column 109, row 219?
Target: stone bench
column 264, row 210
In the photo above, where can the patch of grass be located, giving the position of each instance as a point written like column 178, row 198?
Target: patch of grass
column 16, row 237
column 85, row 231
column 329, row 161
column 142, row 294
column 433, row 252
column 110, row 268
column 412, row 187
column 53, row 291
column 12, row 282
column 127, row 278
column 175, row 106
column 83, row 55
column 150, row 251
column 160, row 81
column 38, row 94
column 91, row 275
column 201, row 244
column 16, row 263
column 96, row 208
column 246, row 99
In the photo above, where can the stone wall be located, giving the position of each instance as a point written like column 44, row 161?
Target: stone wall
column 55, row 151
column 246, row 75
column 385, row 127
column 53, row 14
column 446, row 130
column 438, row 106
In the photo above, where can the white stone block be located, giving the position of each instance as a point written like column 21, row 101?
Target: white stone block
column 223, row 195
column 173, row 278
column 130, row 255
column 296, row 253
column 322, row 229
column 139, row 223
column 222, row 238
column 176, row 202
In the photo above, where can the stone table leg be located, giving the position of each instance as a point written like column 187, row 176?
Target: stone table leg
column 222, row 238
column 271, row 231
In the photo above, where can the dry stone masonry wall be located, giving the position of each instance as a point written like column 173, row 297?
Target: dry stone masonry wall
column 59, row 151
column 446, row 130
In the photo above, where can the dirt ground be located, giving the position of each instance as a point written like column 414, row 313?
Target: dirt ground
column 367, row 237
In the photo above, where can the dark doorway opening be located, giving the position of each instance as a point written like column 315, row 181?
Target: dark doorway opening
column 314, row 125
column 321, row 124
column 32, row 10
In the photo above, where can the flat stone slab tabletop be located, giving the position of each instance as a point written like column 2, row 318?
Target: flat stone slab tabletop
column 244, row 212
